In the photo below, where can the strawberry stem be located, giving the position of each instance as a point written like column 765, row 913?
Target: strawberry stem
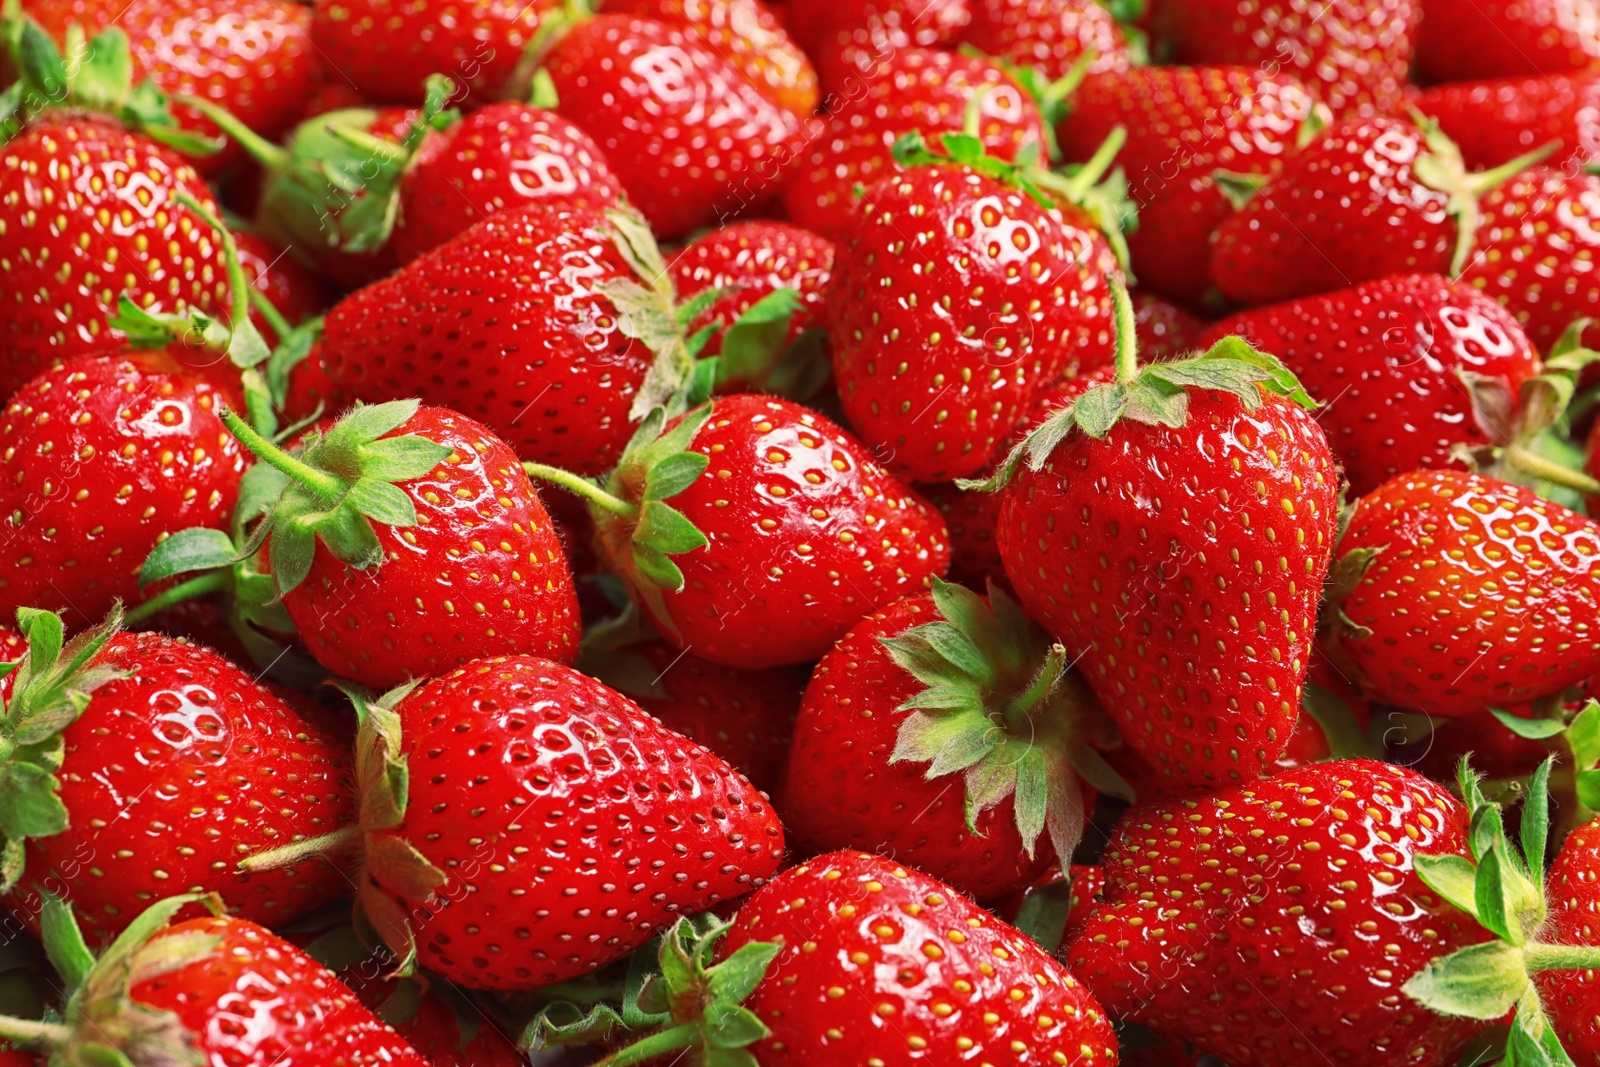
column 33, row 1034
column 582, row 487
column 269, row 311
column 1483, row 181
column 256, row 146
column 1539, row 957
column 204, row 585
column 238, row 287
column 297, row 852
column 1019, row 709
column 1089, row 174
column 1127, row 326
column 679, row 1037
column 326, row 486
column 1519, row 458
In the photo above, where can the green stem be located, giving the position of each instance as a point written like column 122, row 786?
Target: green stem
column 256, row 146
column 327, row 486
column 1090, row 173
column 217, row 581
column 269, row 311
column 385, row 152
column 1018, row 710
column 1064, row 86
column 1561, row 957
column 649, row 1048
column 32, row 1034
column 1127, row 325
column 238, row 287
column 1521, row 459
column 972, row 117
column 1484, row 180
column 583, row 487
column 297, row 852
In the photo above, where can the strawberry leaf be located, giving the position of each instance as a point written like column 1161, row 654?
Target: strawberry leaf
column 1532, row 729
column 196, row 549
column 1478, row 982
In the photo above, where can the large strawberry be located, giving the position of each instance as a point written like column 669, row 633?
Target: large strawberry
column 757, row 532
column 1173, row 528
column 211, row 990
column 1362, row 201
column 945, row 731
column 1184, row 124
column 1455, row 592
column 1492, row 121
column 1406, row 369
column 1461, row 40
column 407, row 540
column 137, row 764
column 1048, row 36
column 475, row 862
column 849, row 40
column 1282, row 916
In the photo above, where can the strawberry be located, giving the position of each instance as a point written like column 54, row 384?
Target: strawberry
column 559, row 369
column 292, row 293
column 209, row 990
column 849, row 40
column 757, row 532
column 1455, row 592
column 1353, row 55
column 388, row 48
column 407, row 541
column 448, row 877
column 1166, row 330
column 147, row 764
column 1184, row 123
column 1048, row 36
column 1491, row 121
column 1148, row 586
column 1406, row 368
column 689, row 134
column 1570, row 996
column 1464, row 40
column 1281, row 916
column 945, row 731
column 1368, row 199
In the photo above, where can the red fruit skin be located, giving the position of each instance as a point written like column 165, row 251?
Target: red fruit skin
column 172, row 775
column 1385, row 359
column 1049, row 36
column 1496, row 752
column 1346, row 209
column 1572, row 998
column 1198, row 945
column 1484, row 595
column 499, row 157
column 1495, row 121
column 849, row 41
column 252, row 57
column 1353, row 55
column 88, row 213
column 913, row 89
column 843, row 791
column 1166, row 330
column 1129, row 549
column 293, row 288
column 939, row 388
column 257, row 999
column 691, row 138
column 786, row 573
column 1463, row 40
column 506, row 323
column 569, row 823
column 482, row 573
column 311, row 393
column 1184, row 123
column 388, row 48
column 921, row 967
column 1087, row 881
column 104, row 457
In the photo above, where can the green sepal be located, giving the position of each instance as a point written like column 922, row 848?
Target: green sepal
column 1531, row 729
column 293, row 349
column 1345, row 736
column 1483, row 981
column 198, row 548
column 659, row 460
column 1044, row 913
column 1239, row 189
column 754, row 345
column 1453, row 877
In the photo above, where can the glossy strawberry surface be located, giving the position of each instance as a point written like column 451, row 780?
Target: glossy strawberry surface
column 1497, row 120
column 1465, row 39
column 1572, row 997
column 1049, row 36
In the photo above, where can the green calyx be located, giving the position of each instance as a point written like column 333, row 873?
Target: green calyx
column 685, row 1003
column 1154, row 395
column 1502, row 887
column 94, row 74
column 337, row 487
column 51, row 688
column 999, row 708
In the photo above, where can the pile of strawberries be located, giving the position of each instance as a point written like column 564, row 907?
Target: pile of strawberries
column 800, row 533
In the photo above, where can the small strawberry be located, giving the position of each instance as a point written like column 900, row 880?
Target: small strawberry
column 475, row 862
column 1362, row 201
column 1572, row 997
column 211, row 990
column 1464, row 40
column 1273, row 923
column 292, row 294
column 1492, row 121
column 1166, row 330
column 1455, row 592
column 137, row 763
column 1048, row 36
column 757, row 532
column 407, row 540
column 945, row 731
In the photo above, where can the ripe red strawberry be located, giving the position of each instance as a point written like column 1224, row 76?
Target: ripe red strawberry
column 1364, row 200
column 1166, row 330
column 944, row 731
column 1463, row 40
column 850, row 39
column 1184, row 123
column 252, row 57
column 106, row 456
column 1406, row 368
column 158, row 765
column 1353, row 55
column 1572, row 997
column 757, row 532
column 1281, row 916
column 1492, row 121
column 1456, row 592
column 482, row 870
column 913, row 90
column 1049, row 36
column 213, row 990
column 388, row 48
column 407, row 541
column 685, row 129
column 293, row 291
column 1152, row 520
